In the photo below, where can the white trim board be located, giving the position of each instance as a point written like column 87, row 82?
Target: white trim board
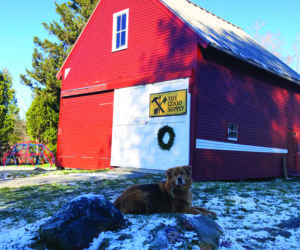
column 216, row 145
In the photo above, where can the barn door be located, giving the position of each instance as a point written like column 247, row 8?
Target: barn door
column 85, row 129
column 134, row 139
column 292, row 161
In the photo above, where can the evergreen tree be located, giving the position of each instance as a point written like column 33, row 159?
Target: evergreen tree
column 48, row 56
column 8, row 111
column 19, row 134
column 8, row 107
column 42, row 119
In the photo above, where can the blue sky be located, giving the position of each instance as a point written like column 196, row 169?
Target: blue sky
column 21, row 20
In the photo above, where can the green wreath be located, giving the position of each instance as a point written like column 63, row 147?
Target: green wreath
column 160, row 135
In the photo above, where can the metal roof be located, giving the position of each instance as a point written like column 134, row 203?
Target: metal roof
column 229, row 38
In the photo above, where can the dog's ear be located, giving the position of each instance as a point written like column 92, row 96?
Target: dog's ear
column 188, row 169
column 168, row 172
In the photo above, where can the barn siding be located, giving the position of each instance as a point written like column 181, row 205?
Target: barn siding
column 157, row 43
column 160, row 47
column 264, row 107
column 229, row 165
column 85, row 130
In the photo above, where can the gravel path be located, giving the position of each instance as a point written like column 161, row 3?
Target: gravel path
column 64, row 179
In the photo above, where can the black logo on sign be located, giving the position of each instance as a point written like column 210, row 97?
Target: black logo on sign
column 159, row 102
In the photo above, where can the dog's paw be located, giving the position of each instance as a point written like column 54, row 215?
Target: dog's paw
column 212, row 215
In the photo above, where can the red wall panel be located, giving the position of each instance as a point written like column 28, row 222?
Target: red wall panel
column 160, row 46
column 85, row 129
column 157, row 42
column 263, row 106
column 229, row 165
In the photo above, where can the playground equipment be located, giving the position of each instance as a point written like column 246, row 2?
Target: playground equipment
column 29, row 152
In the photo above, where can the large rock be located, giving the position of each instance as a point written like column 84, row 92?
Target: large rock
column 208, row 231
column 76, row 224
column 163, row 236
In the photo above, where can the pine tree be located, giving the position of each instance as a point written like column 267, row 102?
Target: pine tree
column 19, row 134
column 8, row 107
column 8, row 111
column 48, row 56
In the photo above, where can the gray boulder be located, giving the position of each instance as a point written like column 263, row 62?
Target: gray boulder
column 163, row 236
column 207, row 233
column 76, row 224
column 207, row 230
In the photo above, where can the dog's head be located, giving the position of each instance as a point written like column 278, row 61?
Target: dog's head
column 179, row 177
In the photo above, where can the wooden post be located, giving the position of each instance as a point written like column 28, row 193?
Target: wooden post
column 284, row 158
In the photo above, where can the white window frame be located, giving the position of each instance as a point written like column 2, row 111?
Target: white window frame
column 114, row 35
column 232, row 129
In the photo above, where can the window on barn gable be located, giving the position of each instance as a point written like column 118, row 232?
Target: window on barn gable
column 232, row 132
column 120, row 30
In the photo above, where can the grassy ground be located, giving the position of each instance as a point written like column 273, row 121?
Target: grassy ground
column 249, row 212
column 31, row 203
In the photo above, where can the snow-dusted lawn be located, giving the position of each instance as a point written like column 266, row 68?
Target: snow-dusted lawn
column 249, row 213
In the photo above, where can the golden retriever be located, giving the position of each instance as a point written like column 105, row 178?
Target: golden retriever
column 172, row 196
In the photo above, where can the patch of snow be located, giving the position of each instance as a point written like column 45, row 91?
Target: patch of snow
column 21, row 237
column 244, row 212
column 89, row 197
column 139, row 229
column 6, row 223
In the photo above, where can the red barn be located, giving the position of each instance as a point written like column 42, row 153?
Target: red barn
column 160, row 83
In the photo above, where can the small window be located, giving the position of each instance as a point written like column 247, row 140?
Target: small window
column 232, row 132
column 120, row 30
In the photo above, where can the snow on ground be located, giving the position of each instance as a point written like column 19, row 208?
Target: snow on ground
column 246, row 230
column 249, row 222
column 20, row 236
column 138, row 233
column 248, row 212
